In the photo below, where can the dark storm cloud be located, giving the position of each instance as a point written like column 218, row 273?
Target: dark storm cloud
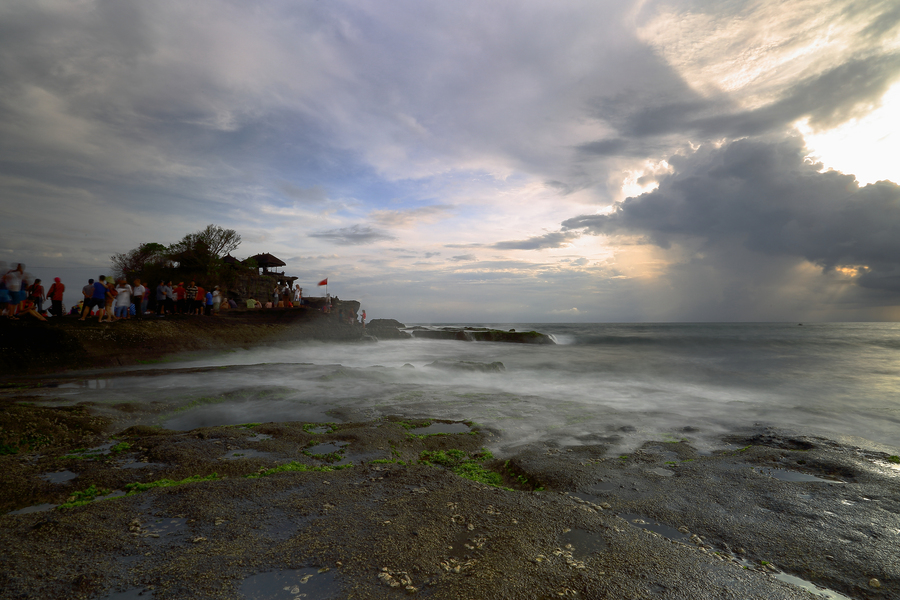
column 353, row 235
column 611, row 147
column 556, row 239
column 828, row 99
column 767, row 197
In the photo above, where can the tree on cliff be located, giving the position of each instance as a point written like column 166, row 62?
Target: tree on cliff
column 203, row 250
column 137, row 259
column 197, row 254
column 219, row 242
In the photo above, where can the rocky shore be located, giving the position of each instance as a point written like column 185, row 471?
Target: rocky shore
column 101, row 503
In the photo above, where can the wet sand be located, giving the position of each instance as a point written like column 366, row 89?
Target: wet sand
column 753, row 520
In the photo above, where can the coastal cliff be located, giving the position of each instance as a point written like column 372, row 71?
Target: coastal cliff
column 29, row 347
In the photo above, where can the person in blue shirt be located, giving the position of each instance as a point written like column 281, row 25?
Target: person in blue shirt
column 98, row 299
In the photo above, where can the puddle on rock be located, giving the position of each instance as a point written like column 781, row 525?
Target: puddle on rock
column 660, row 528
column 32, row 509
column 246, row 453
column 294, row 583
column 602, row 487
column 794, row 476
column 59, row 476
column 101, row 449
column 583, row 542
column 319, row 430
column 441, row 428
column 327, row 447
column 259, row 437
column 90, row 384
column 818, row 592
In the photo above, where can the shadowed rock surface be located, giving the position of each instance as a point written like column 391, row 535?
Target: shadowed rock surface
column 662, row 522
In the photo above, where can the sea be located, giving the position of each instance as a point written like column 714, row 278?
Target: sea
column 619, row 385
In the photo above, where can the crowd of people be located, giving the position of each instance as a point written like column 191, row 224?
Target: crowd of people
column 111, row 300
column 20, row 296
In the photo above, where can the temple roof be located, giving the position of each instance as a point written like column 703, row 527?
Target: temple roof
column 266, row 260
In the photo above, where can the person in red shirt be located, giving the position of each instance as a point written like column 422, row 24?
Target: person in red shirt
column 197, row 307
column 55, row 294
column 36, row 295
column 180, row 292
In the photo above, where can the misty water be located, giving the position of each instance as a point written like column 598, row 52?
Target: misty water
column 613, row 384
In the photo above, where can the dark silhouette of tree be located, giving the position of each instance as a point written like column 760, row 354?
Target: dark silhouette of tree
column 137, row 259
column 196, row 256
column 219, row 241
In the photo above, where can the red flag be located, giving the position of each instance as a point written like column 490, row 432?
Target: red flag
column 323, row 282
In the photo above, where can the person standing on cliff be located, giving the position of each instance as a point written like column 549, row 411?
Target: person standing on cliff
column 13, row 281
column 161, row 299
column 88, row 293
column 123, row 299
column 36, row 295
column 55, row 294
column 199, row 301
column 190, row 295
column 96, row 298
column 170, row 298
column 139, row 291
column 182, row 306
column 102, row 298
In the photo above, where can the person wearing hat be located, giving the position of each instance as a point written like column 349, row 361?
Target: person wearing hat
column 55, row 294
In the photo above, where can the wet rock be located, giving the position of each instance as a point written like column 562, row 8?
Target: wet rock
column 464, row 365
column 395, row 579
column 387, row 329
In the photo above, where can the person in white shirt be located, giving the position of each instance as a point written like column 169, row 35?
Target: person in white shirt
column 139, row 293
column 123, row 299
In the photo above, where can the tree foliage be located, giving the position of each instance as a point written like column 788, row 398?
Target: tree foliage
column 196, row 254
column 135, row 260
column 219, row 241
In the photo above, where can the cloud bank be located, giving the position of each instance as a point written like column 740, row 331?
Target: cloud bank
column 643, row 159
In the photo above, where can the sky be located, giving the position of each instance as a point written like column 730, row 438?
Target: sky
column 531, row 161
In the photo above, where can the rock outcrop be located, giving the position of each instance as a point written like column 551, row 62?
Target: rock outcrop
column 482, row 334
column 387, row 329
column 466, row 365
